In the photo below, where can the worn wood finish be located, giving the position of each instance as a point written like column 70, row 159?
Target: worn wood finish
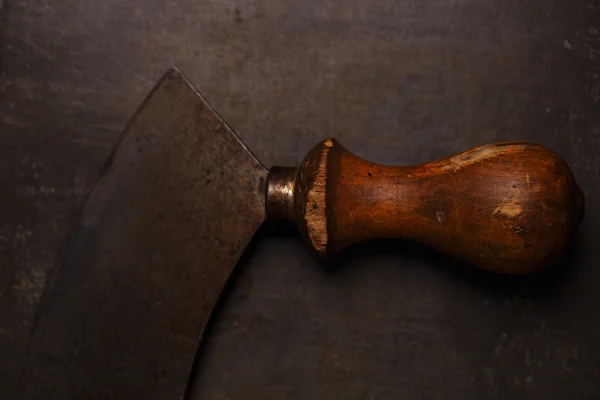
column 506, row 207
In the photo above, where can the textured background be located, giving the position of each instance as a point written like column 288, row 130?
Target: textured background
column 396, row 81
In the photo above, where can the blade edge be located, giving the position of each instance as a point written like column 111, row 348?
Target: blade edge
column 62, row 352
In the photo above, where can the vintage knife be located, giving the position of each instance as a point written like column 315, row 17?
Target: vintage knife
column 181, row 198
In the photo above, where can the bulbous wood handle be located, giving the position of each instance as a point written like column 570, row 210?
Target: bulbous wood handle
column 505, row 207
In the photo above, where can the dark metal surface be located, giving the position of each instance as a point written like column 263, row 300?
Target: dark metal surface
column 142, row 273
column 398, row 82
column 280, row 194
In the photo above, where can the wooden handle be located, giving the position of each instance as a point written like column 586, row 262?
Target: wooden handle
column 505, row 207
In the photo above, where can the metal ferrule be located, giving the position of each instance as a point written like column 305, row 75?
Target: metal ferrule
column 280, row 194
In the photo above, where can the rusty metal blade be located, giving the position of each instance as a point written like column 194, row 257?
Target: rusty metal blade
column 159, row 236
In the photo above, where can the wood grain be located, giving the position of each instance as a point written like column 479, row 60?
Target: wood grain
column 506, row 207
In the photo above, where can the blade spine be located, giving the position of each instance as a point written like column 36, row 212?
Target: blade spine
column 221, row 119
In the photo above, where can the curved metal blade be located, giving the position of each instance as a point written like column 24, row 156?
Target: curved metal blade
column 159, row 236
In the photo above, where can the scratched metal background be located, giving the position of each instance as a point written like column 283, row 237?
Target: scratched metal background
column 396, row 81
